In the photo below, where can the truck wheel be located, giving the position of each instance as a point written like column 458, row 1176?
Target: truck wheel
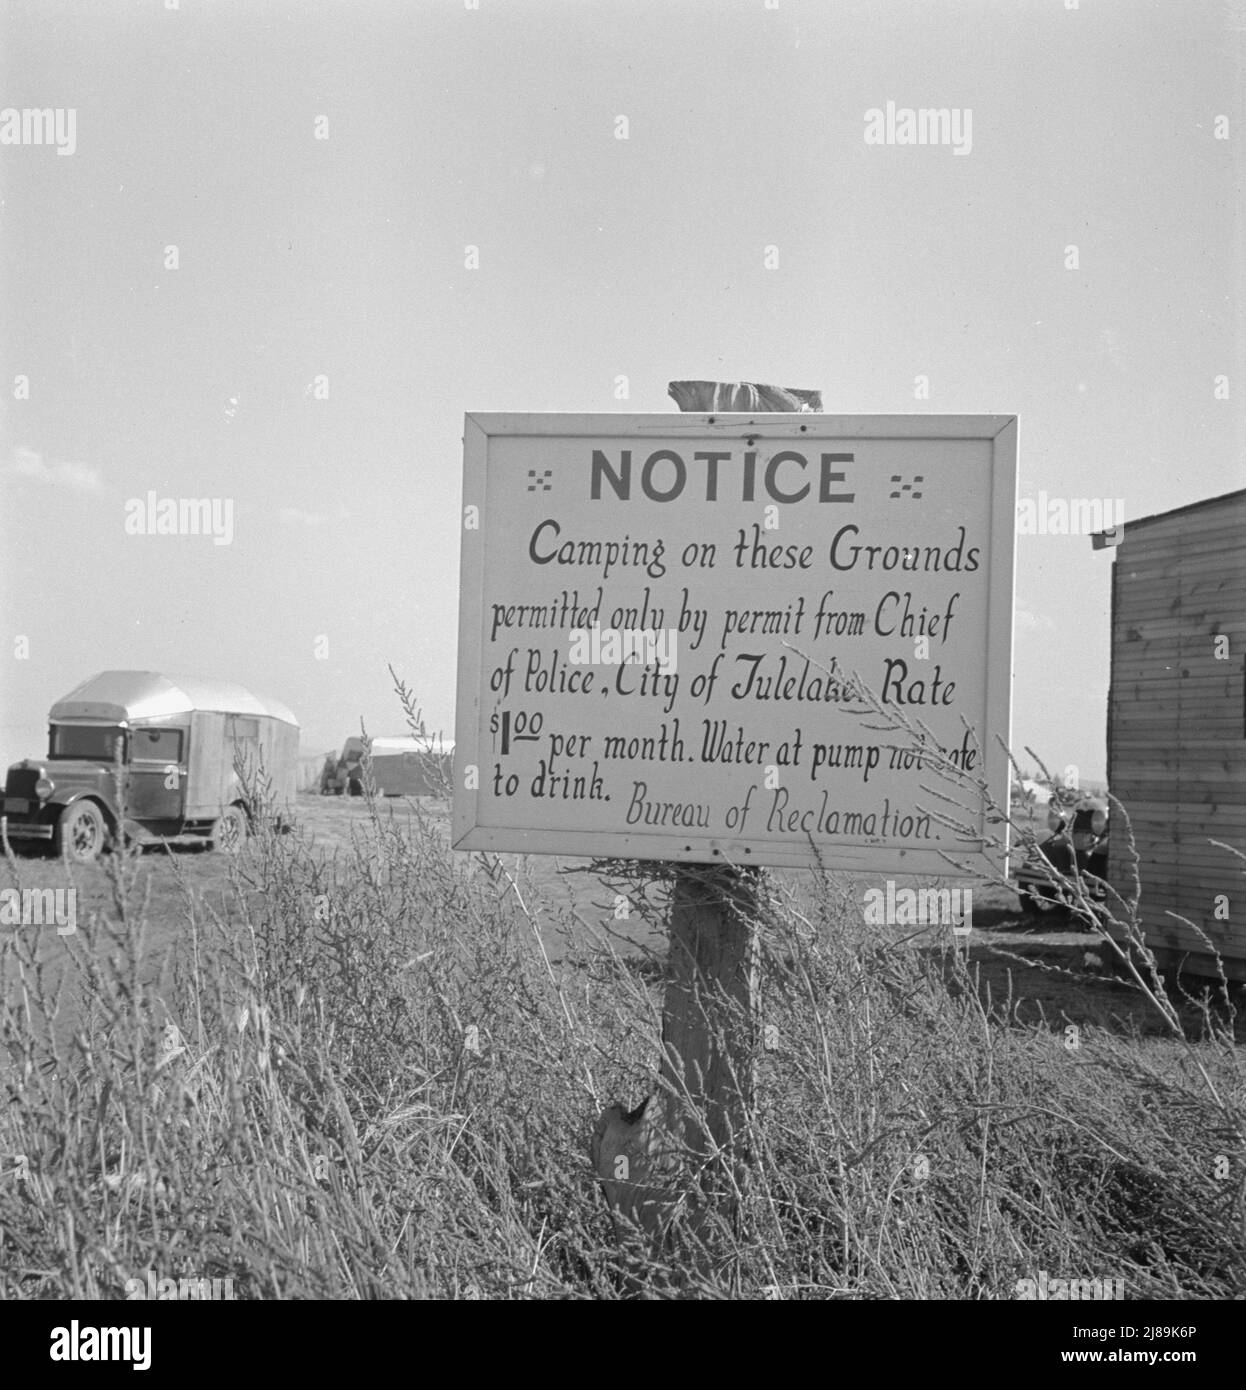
column 80, row 833
column 229, row 833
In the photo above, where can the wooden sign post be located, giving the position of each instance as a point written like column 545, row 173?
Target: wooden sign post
column 700, row 1116
column 676, row 633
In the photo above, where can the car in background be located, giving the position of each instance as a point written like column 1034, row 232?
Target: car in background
column 1077, row 846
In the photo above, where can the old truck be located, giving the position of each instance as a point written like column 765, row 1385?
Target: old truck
column 193, row 758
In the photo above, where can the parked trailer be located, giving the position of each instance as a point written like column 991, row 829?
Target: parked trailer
column 412, row 766
column 312, row 769
column 182, row 742
column 1177, row 727
column 405, row 765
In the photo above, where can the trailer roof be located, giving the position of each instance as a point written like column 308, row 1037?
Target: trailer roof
column 1098, row 536
column 126, row 695
column 411, row 744
column 401, row 743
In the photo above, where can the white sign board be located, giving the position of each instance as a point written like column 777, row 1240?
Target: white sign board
column 666, row 620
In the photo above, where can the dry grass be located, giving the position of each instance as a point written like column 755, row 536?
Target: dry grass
column 361, row 1075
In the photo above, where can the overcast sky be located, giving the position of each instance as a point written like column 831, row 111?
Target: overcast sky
column 310, row 358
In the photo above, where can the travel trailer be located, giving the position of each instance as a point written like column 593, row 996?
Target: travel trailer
column 178, row 743
column 405, row 765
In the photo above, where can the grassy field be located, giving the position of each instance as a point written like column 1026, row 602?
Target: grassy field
column 353, row 1064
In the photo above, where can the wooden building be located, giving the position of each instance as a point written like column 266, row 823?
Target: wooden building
column 1177, row 726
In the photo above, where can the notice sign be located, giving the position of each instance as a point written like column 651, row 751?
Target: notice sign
column 667, row 622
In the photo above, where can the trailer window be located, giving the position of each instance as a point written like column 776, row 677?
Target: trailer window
column 95, row 741
column 156, row 745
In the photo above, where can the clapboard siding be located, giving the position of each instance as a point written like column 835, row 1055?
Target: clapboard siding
column 1185, row 631
column 1137, row 734
column 1149, row 791
column 1164, row 537
column 1214, row 865
column 1177, row 727
column 1173, row 555
column 1146, row 770
column 1147, row 597
column 1230, row 818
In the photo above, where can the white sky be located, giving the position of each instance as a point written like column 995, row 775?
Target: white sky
column 599, row 258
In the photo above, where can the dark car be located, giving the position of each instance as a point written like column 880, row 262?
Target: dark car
column 1078, row 845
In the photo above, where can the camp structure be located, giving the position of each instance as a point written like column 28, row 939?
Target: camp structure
column 402, row 765
column 1177, row 728
column 312, row 769
column 411, row 766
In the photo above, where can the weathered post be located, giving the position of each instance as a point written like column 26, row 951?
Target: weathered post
column 690, row 1139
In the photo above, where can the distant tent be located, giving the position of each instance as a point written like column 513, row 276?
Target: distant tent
column 1036, row 791
column 311, row 766
column 411, row 766
column 405, row 765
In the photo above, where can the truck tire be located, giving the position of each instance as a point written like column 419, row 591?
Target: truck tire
column 81, row 833
column 229, row 831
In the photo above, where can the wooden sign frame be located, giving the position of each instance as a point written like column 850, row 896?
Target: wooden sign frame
column 999, row 479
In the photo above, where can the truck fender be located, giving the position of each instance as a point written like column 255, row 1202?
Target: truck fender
column 58, row 805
